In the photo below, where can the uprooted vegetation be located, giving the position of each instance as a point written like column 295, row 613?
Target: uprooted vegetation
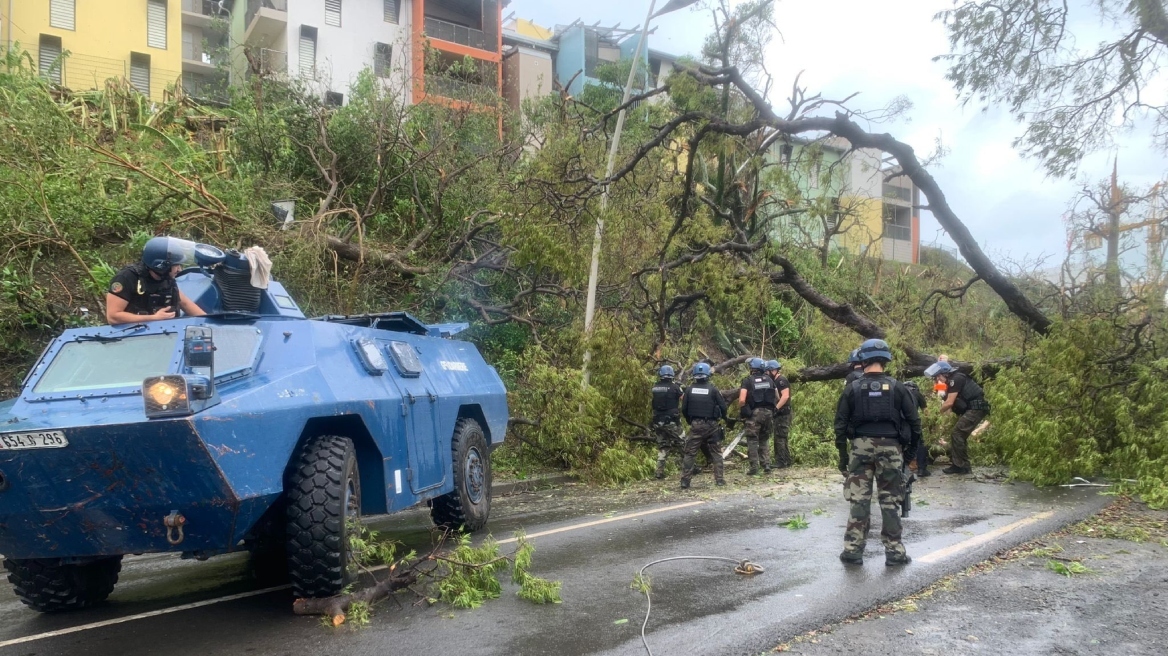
column 712, row 251
column 453, row 572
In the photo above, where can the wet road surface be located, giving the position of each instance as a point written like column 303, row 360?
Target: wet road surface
column 594, row 542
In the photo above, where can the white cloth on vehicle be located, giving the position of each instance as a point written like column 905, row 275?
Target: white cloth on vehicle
column 261, row 267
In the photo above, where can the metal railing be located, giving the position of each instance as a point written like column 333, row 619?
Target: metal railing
column 455, row 89
column 205, row 88
column 204, row 8
column 436, row 28
column 898, row 193
column 254, row 6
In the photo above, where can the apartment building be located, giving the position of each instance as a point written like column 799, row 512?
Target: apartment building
column 451, row 54
column 136, row 40
column 879, row 211
column 537, row 60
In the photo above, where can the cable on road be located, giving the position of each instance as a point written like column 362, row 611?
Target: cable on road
column 743, row 567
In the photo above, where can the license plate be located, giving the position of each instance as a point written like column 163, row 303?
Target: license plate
column 36, row 440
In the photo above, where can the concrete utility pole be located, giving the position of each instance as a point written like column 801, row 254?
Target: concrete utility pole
column 594, row 270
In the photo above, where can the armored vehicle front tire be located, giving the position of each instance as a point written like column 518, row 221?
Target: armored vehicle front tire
column 324, row 506
column 48, row 585
column 468, row 505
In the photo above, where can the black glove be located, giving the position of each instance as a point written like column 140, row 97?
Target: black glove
column 744, row 413
column 730, row 422
column 842, row 447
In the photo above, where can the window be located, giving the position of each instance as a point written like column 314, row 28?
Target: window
column 382, row 56
column 235, row 349
column 405, row 359
column 785, row 152
column 156, row 24
column 307, row 51
column 332, row 12
column 191, row 40
column 85, row 366
column 63, row 14
column 334, row 99
column 391, row 8
column 897, row 222
column 49, row 58
column 140, row 72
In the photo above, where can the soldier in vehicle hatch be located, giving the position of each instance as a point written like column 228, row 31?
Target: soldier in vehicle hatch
column 878, row 416
column 703, row 407
column 757, row 403
column 666, row 422
column 147, row 291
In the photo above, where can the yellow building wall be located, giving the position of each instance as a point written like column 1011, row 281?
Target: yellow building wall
column 867, row 226
column 107, row 31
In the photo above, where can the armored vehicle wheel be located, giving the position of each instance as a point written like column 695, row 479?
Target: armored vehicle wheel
column 324, row 505
column 468, row 506
column 47, row 585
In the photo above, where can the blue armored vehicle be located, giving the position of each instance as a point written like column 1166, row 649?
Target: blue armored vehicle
column 251, row 428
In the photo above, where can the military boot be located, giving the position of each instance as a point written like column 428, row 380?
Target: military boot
column 685, row 483
column 660, row 470
column 892, row 559
column 851, row 557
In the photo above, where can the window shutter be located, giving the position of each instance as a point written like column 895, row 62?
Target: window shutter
column 332, row 12
column 140, row 73
column 390, row 11
column 47, row 64
column 156, row 24
column 63, row 14
column 307, row 52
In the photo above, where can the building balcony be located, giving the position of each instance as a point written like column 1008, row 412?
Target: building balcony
column 206, row 88
column 451, row 88
column 266, row 21
column 273, row 62
column 201, row 13
column 462, row 35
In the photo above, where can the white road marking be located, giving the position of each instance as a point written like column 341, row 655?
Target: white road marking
column 139, row 616
column 979, row 540
column 607, row 520
column 256, row 593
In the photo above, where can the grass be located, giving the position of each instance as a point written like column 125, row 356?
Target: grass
column 1067, row 568
column 795, row 523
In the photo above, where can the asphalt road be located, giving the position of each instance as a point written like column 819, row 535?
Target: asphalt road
column 594, row 542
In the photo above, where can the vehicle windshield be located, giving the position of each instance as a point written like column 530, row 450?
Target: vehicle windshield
column 84, row 366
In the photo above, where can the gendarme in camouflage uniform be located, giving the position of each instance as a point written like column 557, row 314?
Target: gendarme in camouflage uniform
column 757, row 399
column 666, row 418
column 870, row 415
column 703, row 407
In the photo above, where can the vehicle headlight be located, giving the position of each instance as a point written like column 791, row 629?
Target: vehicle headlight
column 166, row 396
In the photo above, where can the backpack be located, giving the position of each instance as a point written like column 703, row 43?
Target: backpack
column 915, row 391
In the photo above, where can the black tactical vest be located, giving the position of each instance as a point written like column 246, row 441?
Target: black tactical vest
column 874, row 411
column 666, row 398
column 970, row 392
column 150, row 295
column 761, row 393
column 700, row 402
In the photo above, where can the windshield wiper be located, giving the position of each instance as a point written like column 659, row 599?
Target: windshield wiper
column 104, row 339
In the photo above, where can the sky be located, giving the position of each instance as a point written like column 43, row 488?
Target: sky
column 884, row 50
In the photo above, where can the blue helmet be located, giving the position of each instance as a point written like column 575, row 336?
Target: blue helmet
column 938, row 368
column 773, row 365
column 854, row 357
column 161, row 253
column 874, row 350
column 665, row 372
column 757, row 364
column 701, row 370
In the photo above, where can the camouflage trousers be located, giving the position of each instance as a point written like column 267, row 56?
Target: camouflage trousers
column 702, row 432
column 669, row 440
column 758, row 434
column 782, row 430
column 959, row 439
column 876, row 459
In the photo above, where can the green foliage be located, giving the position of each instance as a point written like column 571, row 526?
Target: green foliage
column 1068, row 568
column 531, row 588
column 473, row 575
column 795, row 523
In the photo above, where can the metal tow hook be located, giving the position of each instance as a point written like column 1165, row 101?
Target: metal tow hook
column 747, row 568
column 174, row 527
